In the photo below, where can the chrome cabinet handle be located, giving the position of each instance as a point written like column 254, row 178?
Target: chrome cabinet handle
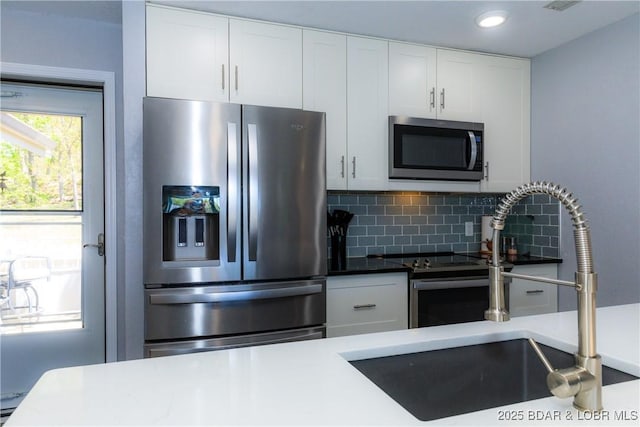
column 353, row 171
column 486, row 171
column 232, row 194
column 222, row 76
column 432, row 98
column 442, row 100
column 254, row 195
column 99, row 245
column 342, row 167
column 236, row 76
column 363, row 306
column 537, row 291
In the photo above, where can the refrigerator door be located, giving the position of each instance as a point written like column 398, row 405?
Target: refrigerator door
column 192, row 191
column 285, row 214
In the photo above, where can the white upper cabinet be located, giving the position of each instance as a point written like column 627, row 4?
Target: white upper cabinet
column 367, row 112
column 200, row 56
column 472, row 88
column 434, row 83
column 324, row 88
column 266, row 64
column 506, row 115
column 412, row 80
column 357, row 81
column 187, row 54
column 459, row 86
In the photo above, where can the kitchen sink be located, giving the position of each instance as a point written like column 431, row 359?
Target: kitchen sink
column 453, row 381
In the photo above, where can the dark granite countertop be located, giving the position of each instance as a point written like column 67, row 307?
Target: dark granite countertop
column 525, row 259
column 365, row 265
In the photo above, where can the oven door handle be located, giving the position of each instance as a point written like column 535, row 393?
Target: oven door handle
column 423, row 285
column 218, row 297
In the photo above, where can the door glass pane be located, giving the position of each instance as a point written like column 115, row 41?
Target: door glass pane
column 40, row 222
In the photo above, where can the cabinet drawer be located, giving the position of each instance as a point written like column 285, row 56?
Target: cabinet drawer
column 367, row 303
column 527, row 297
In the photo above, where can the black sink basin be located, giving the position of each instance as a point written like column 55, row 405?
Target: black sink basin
column 453, row 381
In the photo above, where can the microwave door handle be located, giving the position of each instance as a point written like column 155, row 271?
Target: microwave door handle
column 474, row 150
column 232, row 190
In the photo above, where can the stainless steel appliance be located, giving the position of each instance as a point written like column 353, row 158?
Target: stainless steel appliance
column 435, row 149
column 234, row 225
column 445, row 287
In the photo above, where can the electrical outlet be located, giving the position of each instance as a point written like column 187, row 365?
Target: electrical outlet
column 468, row 228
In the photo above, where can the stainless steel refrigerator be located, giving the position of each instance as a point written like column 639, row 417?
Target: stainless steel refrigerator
column 234, row 223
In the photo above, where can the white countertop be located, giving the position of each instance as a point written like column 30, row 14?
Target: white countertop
column 311, row 382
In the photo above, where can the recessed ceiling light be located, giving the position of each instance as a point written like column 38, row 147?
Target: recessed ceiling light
column 492, row 19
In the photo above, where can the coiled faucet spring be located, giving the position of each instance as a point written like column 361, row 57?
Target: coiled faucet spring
column 580, row 224
column 584, row 380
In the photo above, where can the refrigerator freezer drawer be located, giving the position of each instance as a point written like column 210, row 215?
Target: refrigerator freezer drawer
column 206, row 311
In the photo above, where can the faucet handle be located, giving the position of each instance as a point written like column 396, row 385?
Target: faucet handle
column 541, row 355
column 563, row 382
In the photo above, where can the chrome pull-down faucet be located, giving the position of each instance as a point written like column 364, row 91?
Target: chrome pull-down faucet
column 584, row 380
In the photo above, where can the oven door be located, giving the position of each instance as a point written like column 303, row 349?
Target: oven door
column 441, row 301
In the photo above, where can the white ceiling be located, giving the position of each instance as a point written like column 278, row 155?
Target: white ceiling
column 529, row 31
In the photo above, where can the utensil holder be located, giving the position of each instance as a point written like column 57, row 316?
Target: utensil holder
column 338, row 252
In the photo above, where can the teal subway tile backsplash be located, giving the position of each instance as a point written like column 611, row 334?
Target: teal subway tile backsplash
column 403, row 222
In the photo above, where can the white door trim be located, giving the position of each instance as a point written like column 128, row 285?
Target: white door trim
column 106, row 79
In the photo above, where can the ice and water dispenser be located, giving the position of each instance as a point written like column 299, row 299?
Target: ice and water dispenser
column 190, row 223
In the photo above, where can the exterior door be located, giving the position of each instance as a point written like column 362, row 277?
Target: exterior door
column 52, row 279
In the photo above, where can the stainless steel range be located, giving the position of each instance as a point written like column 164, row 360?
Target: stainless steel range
column 445, row 287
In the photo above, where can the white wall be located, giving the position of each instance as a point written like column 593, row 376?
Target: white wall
column 585, row 135
column 56, row 40
column 131, row 307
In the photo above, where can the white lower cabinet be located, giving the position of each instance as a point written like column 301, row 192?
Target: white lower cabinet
column 366, row 303
column 527, row 297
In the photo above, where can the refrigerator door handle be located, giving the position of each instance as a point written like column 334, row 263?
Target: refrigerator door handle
column 222, row 297
column 232, row 191
column 254, row 195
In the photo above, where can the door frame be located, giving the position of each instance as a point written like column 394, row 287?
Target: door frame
column 106, row 80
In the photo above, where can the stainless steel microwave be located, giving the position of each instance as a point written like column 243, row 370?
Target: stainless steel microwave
column 435, row 149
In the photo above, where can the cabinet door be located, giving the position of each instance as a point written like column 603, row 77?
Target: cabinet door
column 412, row 80
column 506, row 116
column 527, row 297
column 366, row 303
column 324, row 88
column 187, row 55
column 459, row 93
column 367, row 112
column 266, row 64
